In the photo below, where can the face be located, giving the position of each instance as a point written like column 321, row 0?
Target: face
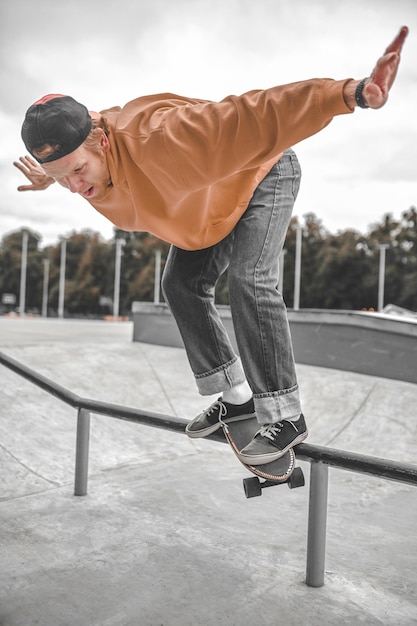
column 84, row 171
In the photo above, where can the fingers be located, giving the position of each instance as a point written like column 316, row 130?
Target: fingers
column 34, row 173
column 22, row 167
column 27, row 188
column 397, row 44
column 25, row 165
column 27, row 161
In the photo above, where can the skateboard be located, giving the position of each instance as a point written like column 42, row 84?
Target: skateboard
column 283, row 470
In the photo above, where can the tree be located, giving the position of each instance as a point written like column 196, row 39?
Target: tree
column 407, row 266
column 92, row 278
column 343, row 269
column 401, row 257
column 11, row 263
column 86, row 273
column 338, row 271
column 138, row 267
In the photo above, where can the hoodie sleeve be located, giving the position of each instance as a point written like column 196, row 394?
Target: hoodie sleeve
column 209, row 141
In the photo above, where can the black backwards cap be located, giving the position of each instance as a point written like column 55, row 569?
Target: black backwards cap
column 58, row 121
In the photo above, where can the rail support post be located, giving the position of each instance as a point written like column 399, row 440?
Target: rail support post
column 317, row 520
column 81, row 453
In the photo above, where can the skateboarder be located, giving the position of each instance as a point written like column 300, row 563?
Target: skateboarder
column 217, row 180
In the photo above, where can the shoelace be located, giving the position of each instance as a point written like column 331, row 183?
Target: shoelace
column 218, row 404
column 272, row 430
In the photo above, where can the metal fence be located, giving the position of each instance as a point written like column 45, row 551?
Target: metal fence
column 319, row 457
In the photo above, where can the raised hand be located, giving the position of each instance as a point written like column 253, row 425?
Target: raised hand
column 34, row 173
column 377, row 86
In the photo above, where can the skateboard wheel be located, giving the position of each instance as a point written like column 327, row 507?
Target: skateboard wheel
column 252, row 487
column 296, row 479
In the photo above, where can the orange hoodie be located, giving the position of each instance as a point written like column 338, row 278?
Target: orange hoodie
column 185, row 169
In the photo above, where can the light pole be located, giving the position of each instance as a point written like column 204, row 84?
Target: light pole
column 281, row 271
column 45, row 288
column 117, row 267
column 23, row 267
column 297, row 277
column 156, row 287
column 61, row 296
column 381, row 281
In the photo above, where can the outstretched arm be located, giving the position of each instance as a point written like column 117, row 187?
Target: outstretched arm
column 377, row 86
column 34, row 173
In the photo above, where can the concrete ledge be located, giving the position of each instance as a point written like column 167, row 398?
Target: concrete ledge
column 367, row 343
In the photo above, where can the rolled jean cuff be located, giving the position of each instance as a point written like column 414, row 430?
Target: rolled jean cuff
column 275, row 406
column 222, row 378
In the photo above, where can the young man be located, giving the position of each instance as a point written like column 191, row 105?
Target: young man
column 217, row 180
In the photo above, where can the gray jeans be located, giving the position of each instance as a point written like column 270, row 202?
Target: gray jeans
column 259, row 314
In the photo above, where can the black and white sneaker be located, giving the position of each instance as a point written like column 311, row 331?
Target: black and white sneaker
column 220, row 411
column 273, row 440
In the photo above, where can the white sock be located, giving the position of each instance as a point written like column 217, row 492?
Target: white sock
column 239, row 394
column 294, row 419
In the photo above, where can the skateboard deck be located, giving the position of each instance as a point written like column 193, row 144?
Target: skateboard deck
column 284, row 470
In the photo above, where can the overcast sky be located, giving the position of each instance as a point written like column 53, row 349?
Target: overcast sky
column 107, row 53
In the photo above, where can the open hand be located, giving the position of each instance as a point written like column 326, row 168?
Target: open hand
column 377, row 86
column 34, row 173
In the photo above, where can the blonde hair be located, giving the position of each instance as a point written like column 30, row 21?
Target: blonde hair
column 92, row 142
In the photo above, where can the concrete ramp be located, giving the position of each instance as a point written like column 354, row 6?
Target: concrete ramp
column 165, row 534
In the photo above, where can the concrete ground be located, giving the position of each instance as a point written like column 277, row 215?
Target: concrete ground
column 165, row 536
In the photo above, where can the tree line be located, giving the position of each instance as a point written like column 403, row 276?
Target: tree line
column 338, row 271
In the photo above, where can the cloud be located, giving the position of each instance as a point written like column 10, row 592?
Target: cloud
column 105, row 54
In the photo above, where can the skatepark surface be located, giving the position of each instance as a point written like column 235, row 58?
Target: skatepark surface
column 165, row 536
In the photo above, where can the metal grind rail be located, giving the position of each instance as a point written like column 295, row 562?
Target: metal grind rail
column 319, row 457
